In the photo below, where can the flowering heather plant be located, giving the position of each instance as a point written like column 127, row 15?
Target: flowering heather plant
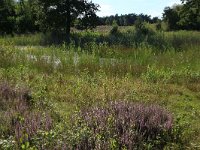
column 19, row 118
column 121, row 125
column 30, row 124
column 10, row 95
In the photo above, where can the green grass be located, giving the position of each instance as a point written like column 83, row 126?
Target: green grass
column 65, row 79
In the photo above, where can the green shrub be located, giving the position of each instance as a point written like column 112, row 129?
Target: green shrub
column 114, row 30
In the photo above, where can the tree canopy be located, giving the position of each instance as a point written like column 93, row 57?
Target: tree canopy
column 185, row 16
column 62, row 14
column 190, row 14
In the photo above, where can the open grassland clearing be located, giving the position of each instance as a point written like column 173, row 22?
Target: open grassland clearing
column 42, row 86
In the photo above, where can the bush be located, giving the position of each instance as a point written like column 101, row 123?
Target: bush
column 114, row 30
column 159, row 26
column 122, row 125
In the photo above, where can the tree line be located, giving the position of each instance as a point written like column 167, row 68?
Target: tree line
column 27, row 16
column 127, row 19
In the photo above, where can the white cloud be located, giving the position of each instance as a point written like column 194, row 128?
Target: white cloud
column 154, row 13
column 172, row 2
column 106, row 10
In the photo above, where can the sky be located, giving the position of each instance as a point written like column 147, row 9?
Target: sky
column 151, row 7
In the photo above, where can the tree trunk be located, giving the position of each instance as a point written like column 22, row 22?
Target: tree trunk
column 68, row 22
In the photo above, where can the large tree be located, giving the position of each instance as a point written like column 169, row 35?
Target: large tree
column 184, row 16
column 171, row 17
column 190, row 14
column 7, row 16
column 61, row 14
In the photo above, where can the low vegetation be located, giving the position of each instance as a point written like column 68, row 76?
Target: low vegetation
column 127, row 89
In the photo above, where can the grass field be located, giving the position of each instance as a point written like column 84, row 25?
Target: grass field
column 42, row 87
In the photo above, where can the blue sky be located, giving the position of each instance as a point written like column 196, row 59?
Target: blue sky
column 150, row 7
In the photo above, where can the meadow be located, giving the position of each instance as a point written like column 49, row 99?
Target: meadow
column 53, row 95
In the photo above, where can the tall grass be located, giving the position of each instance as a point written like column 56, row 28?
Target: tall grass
column 127, row 37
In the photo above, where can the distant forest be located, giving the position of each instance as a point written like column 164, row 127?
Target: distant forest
column 126, row 20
